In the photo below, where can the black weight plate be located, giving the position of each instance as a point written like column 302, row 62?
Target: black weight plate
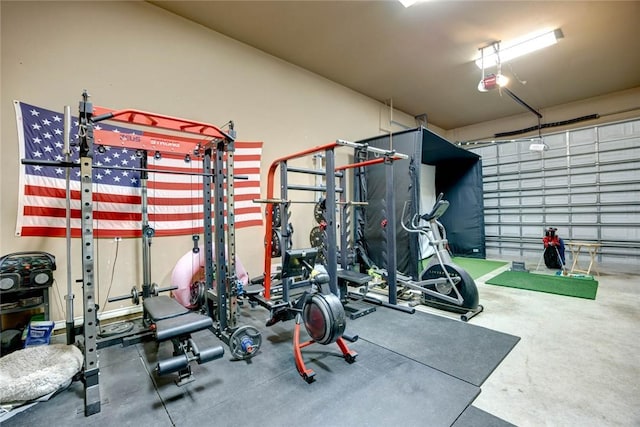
column 276, row 215
column 316, row 237
column 276, row 244
column 197, row 294
column 289, row 236
column 319, row 210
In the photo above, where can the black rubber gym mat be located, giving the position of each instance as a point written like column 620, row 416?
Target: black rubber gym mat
column 383, row 387
column 465, row 351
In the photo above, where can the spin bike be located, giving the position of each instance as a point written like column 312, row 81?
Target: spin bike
column 442, row 283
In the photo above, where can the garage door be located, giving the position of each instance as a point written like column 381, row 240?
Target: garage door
column 586, row 184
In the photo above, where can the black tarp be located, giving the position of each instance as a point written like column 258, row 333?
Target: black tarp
column 458, row 175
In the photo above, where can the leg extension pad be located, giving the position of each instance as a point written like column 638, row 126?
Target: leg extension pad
column 174, row 364
column 206, row 355
column 181, row 361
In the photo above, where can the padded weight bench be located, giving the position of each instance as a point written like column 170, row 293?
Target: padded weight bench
column 171, row 321
column 353, row 278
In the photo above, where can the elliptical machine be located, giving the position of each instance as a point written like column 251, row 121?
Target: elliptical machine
column 442, row 284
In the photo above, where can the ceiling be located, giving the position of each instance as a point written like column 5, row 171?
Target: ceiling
column 420, row 57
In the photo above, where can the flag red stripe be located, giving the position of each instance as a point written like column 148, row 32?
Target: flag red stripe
column 246, row 157
column 196, row 186
column 244, row 197
column 198, row 170
column 158, row 185
column 124, row 216
column 157, row 217
column 246, row 171
column 248, row 184
column 34, row 190
column 76, row 213
column 178, row 201
column 28, row 231
column 60, row 193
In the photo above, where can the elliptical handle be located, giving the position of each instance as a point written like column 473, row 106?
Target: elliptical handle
column 415, row 227
column 404, row 210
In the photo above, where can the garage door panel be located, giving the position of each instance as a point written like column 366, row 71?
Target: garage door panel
column 587, row 185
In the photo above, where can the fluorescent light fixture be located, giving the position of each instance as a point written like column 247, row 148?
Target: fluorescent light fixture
column 518, row 47
column 409, row 3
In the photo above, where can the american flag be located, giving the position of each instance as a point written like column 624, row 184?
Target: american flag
column 175, row 202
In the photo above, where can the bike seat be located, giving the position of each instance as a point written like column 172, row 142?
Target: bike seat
column 438, row 210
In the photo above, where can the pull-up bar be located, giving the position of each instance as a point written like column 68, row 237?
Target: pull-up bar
column 370, row 162
column 307, row 202
column 375, row 150
column 156, row 120
column 337, row 143
column 153, row 141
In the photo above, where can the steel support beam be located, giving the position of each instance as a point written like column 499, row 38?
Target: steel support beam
column 90, row 329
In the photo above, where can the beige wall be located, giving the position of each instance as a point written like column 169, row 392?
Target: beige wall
column 135, row 55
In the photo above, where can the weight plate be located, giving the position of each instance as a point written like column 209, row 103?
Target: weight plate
column 319, row 210
column 316, row 237
column 276, row 215
column 196, row 295
column 135, row 296
column 289, row 236
column 115, row 329
column 276, row 244
column 245, row 342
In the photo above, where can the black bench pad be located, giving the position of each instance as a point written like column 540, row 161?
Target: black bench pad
column 162, row 307
column 178, row 326
column 358, row 279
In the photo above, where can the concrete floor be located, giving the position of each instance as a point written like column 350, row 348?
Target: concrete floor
column 578, row 361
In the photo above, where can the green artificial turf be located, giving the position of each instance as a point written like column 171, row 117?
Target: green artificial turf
column 561, row 285
column 476, row 267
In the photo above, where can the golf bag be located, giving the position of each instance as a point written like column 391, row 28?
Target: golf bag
column 553, row 249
